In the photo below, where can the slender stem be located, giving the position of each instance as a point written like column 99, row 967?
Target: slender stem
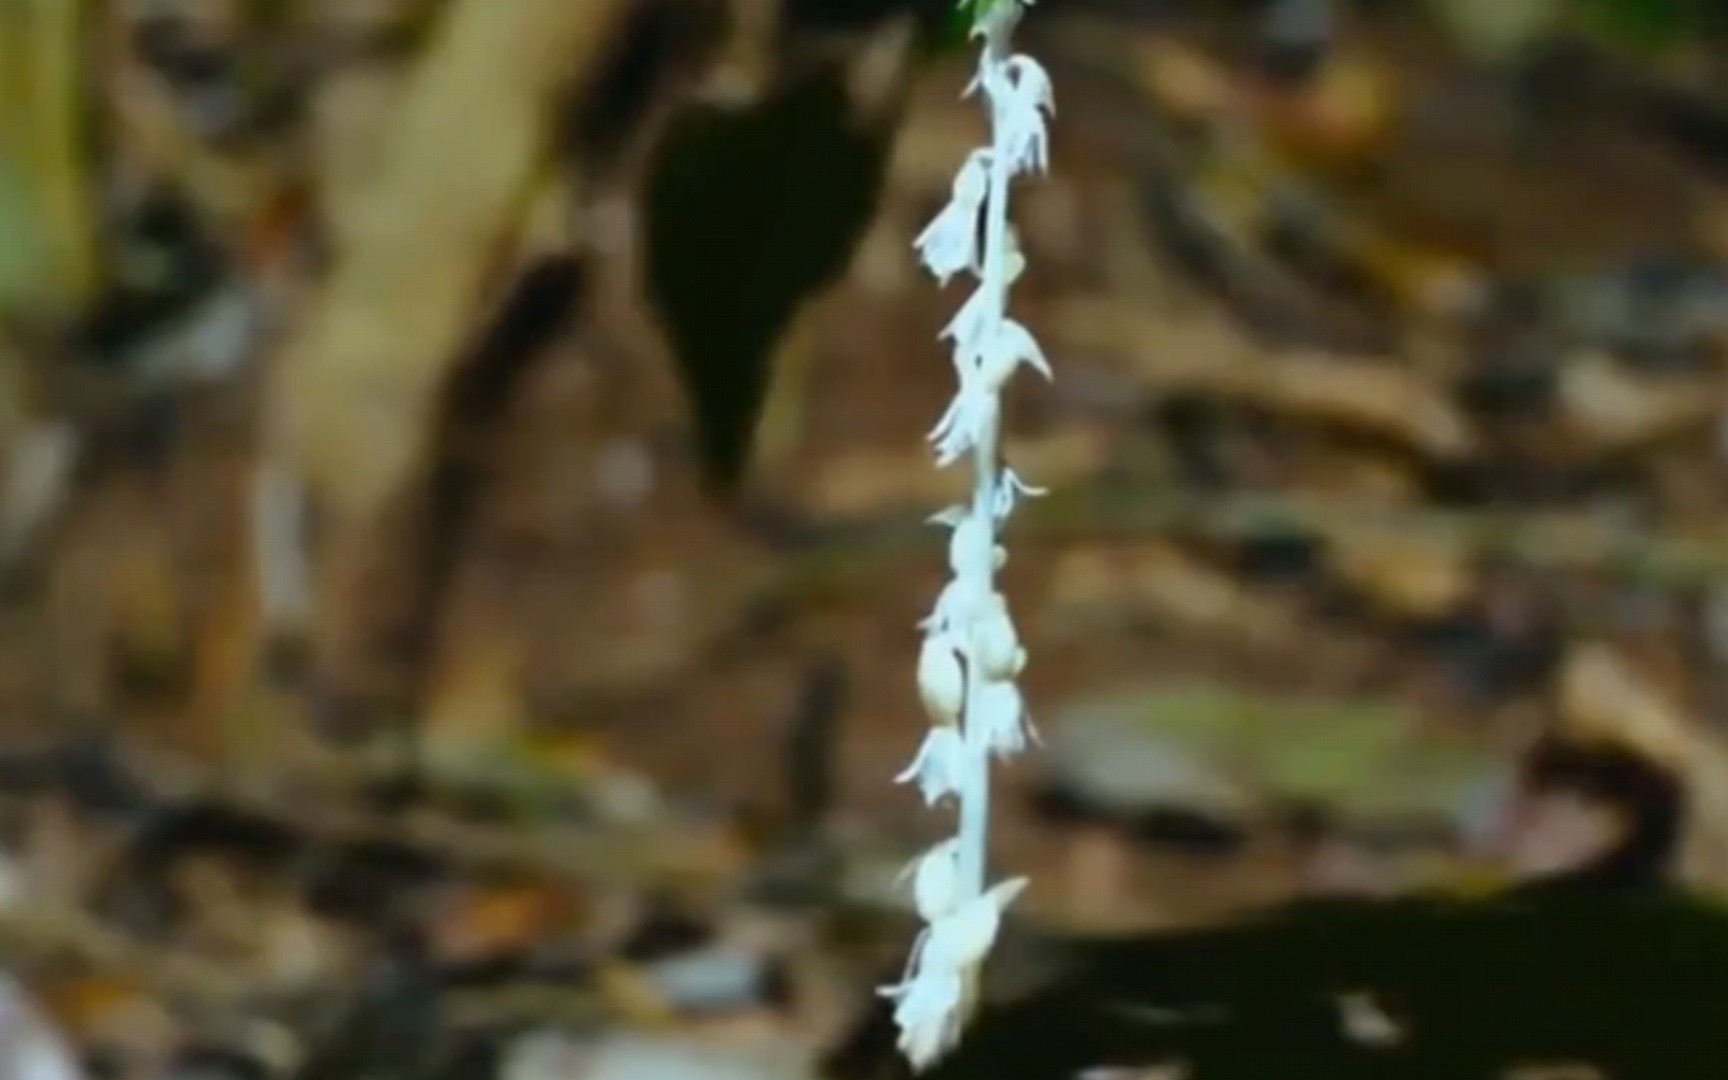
column 975, row 807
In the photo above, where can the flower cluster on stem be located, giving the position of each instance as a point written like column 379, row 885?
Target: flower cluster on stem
column 971, row 654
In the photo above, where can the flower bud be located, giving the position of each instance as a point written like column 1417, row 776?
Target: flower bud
column 940, row 765
column 963, row 938
column 941, row 683
column 995, row 645
column 1000, row 716
column 936, row 884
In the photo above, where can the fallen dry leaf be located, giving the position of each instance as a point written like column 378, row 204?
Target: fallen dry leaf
column 484, row 923
column 1603, row 696
column 1409, row 578
column 1207, row 354
column 1155, row 582
column 1613, row 409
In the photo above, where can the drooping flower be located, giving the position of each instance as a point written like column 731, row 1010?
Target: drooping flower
column 961, row 939
column 995, row 645
column 1011, row 346
column 928, row 1000
column 940, row 767
column 1020, row 110
column 941, row 684
column 949, row 244
column 966, row 329
column 1001, row 717
column 971, row 415
column 936, row 881
column 927, row 1012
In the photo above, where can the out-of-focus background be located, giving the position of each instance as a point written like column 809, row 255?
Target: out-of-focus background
column 462, row 473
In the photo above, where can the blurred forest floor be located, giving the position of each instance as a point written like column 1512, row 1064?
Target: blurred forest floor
column 384, row 695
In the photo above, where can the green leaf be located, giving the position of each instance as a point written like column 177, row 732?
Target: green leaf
column 1644, row 25
column 751, row 213
column 956, row 31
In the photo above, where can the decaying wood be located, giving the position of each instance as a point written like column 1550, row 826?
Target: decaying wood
column 356, row 389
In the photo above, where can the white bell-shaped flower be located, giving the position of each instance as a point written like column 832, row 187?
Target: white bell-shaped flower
column 972, row 182
column 927, row 1011
column 1000, row 715
column 936, row 881
column 1031, row 82
column 927, row 1002
column 970, row 417
column 1011, row 346
column 1021, row 97
column 949, row 244
column 995, row 645
column 940, row 767
column 966, row 328
column 961, row 939
column 941, row 683
column 956, row 432
column 950, row 609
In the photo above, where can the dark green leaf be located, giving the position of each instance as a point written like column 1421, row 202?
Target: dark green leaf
column 750, row 213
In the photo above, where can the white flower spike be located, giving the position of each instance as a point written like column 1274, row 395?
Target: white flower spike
column 972, row 653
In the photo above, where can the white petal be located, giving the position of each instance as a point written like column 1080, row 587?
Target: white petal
column 949, row 420
column 949, row 515
column 928, row 1015
column 949, row 244
column 1009, row 490
column 994, row 643
column 1022, row 136
column 1000, row 715
column 1031, row 83
column 972, row 414
column 940, row 766
column 967, row 325
column 972, row 182
column 1003, row 893
column 954, row 607
column 1014, row 264
column 1012, row 346
column 941, row 616
column 936, row 884
column 941, row 684
column 914, row 958
column 963, row 938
